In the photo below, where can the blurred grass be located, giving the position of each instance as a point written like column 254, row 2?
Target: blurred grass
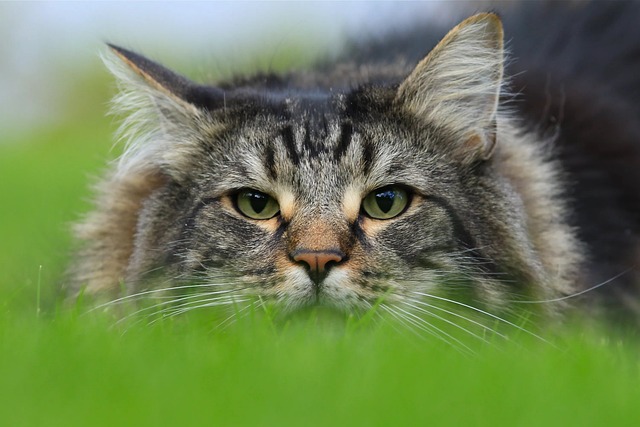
column 43, row 188
column 78, row 371
column 60, row 367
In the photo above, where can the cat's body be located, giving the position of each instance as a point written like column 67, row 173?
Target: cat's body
column 374, row 179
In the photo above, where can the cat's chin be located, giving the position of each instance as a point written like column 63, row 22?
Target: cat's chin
column 316, row 312
column 317, row 299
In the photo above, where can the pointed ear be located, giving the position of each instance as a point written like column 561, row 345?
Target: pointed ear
column 164, row 114
column 457, row 85
column 169, row 83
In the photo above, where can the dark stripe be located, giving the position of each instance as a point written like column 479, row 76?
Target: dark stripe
column 325, row 127
column 307, row 144
column 357, row 104
column 346, row 132
column 463, row 236
column 270, row 163
column 289, row 140
column 276, row 239
column 368, row 154
column 358, row 233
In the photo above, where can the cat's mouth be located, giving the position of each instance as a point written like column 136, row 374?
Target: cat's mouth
column 336, row 292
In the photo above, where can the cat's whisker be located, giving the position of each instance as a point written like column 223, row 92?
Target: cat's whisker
column 408, row 325
column 428, row 313
column 237, row 315
column 424, row 327
column 486, row 313
column 458, row 315
column 158, row 314
column 406, row 328
column 175, row 300
column 467, row 250
column 577, row 294
column 146, row 293
column 202, row 304
column 424, row 321
column 232, row 293
column 221, row 297
column 431, row 329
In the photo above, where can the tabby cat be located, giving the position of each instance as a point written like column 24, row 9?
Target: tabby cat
column 386, row 178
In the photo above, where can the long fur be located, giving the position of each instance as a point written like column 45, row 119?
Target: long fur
column 521, row 191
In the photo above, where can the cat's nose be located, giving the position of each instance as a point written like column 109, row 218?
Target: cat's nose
column 318, row 262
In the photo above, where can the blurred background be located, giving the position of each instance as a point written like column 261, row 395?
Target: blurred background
column 48, row 47
column 54, row 92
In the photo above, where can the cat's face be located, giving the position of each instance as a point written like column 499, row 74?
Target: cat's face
column 319, row 195
column 322, row 204
column 341, row 201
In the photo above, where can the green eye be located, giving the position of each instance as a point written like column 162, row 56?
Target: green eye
column 256, row 204
column 385, row 202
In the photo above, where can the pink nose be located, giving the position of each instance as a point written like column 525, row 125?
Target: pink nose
column 318, row 260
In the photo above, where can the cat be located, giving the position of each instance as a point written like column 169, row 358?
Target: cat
column 465, row 177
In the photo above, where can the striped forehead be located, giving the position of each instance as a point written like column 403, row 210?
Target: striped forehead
column 316, row 138
column 320, row 144
column 310, row 134
column 305, row 153
column 315, row 152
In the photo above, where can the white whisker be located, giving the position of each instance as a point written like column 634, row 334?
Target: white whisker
column 234, row 316
column 427, row 312
column 155, row 291
column 577, row 294
column 493, row 316
column 213, row 302
column 175, row 300
column 428, row 327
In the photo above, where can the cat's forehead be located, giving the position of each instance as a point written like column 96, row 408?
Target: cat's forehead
column 315, row 142
column 313, row 147
column 319, row 151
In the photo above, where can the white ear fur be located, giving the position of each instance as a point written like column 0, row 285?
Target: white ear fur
column 457, row 85
column 158, row 127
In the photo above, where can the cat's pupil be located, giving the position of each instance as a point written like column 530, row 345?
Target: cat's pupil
column 258, row 201
column 385, row 199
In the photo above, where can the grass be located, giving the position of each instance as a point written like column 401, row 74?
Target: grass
column 61, row 366
column 78, row 370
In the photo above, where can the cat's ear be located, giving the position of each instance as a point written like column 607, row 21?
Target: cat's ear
column 164, row 114
column 167, row 82
column 457, row 85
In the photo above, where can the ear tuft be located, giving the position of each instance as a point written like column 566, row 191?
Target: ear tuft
column 166, row 81
column 457, row 85
column 164, row 114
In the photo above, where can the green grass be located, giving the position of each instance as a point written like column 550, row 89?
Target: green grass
column 61, row 366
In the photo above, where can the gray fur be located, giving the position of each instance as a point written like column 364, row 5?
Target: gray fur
column 487, row 213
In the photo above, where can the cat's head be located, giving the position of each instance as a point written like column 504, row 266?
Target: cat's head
column 329, row 195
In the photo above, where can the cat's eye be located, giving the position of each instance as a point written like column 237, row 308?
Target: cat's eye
column 386, row 202
column 256, row 204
